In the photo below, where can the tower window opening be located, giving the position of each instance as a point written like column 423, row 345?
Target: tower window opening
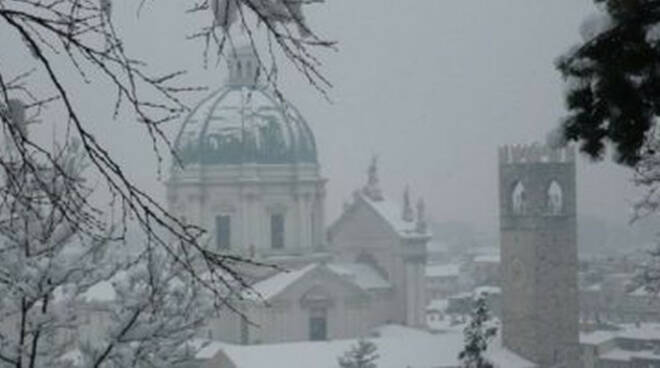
column 554, row 199
column 519, row 199
column 223, row 231
column 277, row 231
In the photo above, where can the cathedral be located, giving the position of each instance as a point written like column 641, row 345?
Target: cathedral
column 251, row 176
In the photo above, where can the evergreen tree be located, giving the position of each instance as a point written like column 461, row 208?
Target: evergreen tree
column 614, row 81
column 477, row 335
column 362, row 355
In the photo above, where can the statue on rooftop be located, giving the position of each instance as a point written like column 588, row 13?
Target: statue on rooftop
column 372, row 189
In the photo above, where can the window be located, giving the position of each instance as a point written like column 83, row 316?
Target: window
column 318, row 324
column 223, row 231
column 518, row 199
column 554, row 199
column 277, row 231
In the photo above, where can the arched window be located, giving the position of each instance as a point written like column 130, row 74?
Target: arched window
column 554, row 198
column 519, row 199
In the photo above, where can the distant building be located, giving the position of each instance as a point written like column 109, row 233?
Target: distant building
column 632, row 346
column 483, row 267
column 442, row 280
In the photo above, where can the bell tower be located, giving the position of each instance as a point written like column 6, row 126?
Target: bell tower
column 538, row 240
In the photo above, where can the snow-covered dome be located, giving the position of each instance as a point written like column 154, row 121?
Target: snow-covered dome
column 245, row 122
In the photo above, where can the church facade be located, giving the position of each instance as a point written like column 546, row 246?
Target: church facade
column 252, row 178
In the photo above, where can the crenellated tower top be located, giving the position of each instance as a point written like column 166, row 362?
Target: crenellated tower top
column 535, row 153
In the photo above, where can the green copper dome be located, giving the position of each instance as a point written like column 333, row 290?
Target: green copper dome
column 244, row 122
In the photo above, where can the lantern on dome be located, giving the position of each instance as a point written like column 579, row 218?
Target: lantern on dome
column 225, row 12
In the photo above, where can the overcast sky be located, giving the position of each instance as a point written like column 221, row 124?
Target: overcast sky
column 432, row 87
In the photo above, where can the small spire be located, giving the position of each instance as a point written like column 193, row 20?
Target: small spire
column 346, row 206
column 408, row 215
column 372, row 189
column 420, row 226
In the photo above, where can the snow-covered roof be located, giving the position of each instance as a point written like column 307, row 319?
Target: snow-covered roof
column 272, row 286
column 360, row 274
column 437, row 304
column 491, row 290
column 104, row 291
column 594, row 287
column 209, row 349
column 487, row 258
column 642, row 291
column 398, row 347
column 622, row 355
column 435, row 246
column 442, row 270
column 645, row 331
column 392, row 214
column 596, row 337
column 72, row 358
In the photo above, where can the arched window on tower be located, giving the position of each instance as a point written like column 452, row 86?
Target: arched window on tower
column 519, row 199
column 554, row 199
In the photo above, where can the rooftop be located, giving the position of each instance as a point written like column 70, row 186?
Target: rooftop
column 398, row 347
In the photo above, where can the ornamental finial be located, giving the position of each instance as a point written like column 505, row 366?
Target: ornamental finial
column 372, row 189
column 408, row 215
column 420, row 226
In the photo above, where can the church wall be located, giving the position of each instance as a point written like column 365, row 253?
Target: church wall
column 250, row 194
column 364, row 231
column 350, row 313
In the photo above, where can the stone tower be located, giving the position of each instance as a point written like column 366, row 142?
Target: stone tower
column 538, row 240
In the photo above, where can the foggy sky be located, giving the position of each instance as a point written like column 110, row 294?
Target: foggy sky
column 432, row 87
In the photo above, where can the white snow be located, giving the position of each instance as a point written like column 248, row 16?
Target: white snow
column 362, row 275
column 393, row 215
column 490, row 290
column 642, row 291
column 595, row 24
column 487, row 258
column 104, row 291
column 646, row 331
column 621, row 355
column 653, row 34
column 444, row 270
column 272, row 286
column 437, row 305
column 398, row 347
